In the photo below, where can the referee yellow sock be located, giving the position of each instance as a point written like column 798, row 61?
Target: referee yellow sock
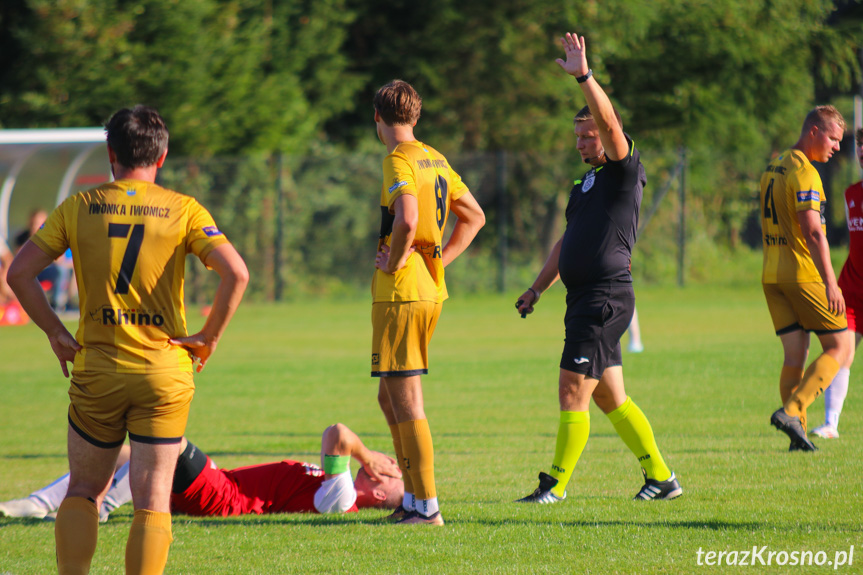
column 572, row 434
column 818, row 376
column 789, row 381
column 419, row 456
column 400, row 456
column 633, row 428
column 148, row 544
column 76, row 532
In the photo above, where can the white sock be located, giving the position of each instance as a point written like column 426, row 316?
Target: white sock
column 409, row 502
column 51, row 496
column 427, row 506
column 834, row 397
column 120, row 492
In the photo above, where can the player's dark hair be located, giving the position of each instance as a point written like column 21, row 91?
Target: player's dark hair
column 398, row 104
column 858, row 135
column 585, row 114
column 138, row 136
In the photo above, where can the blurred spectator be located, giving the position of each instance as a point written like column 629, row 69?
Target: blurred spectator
column 6, row 294
column 10, row 311
column 50, row 278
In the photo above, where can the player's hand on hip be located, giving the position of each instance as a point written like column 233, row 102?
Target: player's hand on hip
column 835, row 299
column 525, row 302
column 383, row 263
column 382, row 259
column 575, row 49
column 65, row 347
column 199, row 347
column 381, row 465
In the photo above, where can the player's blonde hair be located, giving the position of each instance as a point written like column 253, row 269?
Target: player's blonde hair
column 821, row 116
column 398, row 104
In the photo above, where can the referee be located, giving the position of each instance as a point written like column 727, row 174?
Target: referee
column 593, row 260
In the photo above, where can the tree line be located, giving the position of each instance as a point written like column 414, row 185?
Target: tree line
column 728, row 81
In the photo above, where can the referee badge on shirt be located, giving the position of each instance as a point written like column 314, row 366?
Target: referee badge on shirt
column 588, row 181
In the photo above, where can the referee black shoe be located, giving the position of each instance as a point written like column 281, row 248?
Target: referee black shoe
column 790, row 425
column 653, row 489
column 543, row 494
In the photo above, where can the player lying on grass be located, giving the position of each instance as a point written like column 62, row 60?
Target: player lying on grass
column 202, row 489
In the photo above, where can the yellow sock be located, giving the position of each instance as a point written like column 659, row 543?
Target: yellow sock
column 789, row 381
column 76, row 532
column 148, row 544
column 572, row 433
column 633, row 428
column 419, row 456
column 818, row 376
column 397, row 444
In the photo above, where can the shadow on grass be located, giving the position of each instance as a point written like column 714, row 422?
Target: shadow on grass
column 34, row 456
column 748, row 526
column 349, row 520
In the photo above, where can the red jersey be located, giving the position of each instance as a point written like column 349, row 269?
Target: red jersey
column 283, row 487
column 851, row 278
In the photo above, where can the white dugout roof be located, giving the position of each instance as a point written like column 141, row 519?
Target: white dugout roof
column 56, row 159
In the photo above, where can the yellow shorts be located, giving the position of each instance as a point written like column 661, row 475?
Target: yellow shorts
column 401, row 333
column 153, row 408
column 795, row 306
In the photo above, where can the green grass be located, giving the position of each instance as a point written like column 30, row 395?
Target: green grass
column 708, row 382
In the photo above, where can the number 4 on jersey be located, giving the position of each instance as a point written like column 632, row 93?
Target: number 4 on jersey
column 130, row 258
column 769, row 204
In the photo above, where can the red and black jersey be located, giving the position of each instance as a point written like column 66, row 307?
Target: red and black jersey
column 283, row 487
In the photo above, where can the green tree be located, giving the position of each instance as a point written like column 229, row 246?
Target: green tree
column 230, row 76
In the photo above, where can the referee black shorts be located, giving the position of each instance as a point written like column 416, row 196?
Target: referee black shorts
column 597, row 316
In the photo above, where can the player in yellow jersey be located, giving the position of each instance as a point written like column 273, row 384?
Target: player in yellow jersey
column 798, row 279
column 420, row 189
column 132, row 357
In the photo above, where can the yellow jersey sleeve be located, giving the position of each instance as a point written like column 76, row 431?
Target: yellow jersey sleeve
column 53, row 238
column 806, row 187
column 459, row 188
column 399, row 173
column 203, row 234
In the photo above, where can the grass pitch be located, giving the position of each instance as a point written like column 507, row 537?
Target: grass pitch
column 708, row 382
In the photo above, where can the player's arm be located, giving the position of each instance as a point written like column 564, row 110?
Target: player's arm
column 610, row 131
column 338, row 441
column 28, row 264
column 816, row 241
column 544, row 280
column 233, row 279
column 393, row 258
column 470, row 220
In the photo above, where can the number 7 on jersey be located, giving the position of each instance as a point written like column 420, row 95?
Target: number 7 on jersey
column 130, row 257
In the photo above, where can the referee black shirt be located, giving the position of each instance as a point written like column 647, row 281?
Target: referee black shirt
column 601, row 223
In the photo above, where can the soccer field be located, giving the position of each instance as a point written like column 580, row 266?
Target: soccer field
column 707, row 380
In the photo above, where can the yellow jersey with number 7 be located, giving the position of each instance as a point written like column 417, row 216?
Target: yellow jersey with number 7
column 789, row 185
column 129, row 241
